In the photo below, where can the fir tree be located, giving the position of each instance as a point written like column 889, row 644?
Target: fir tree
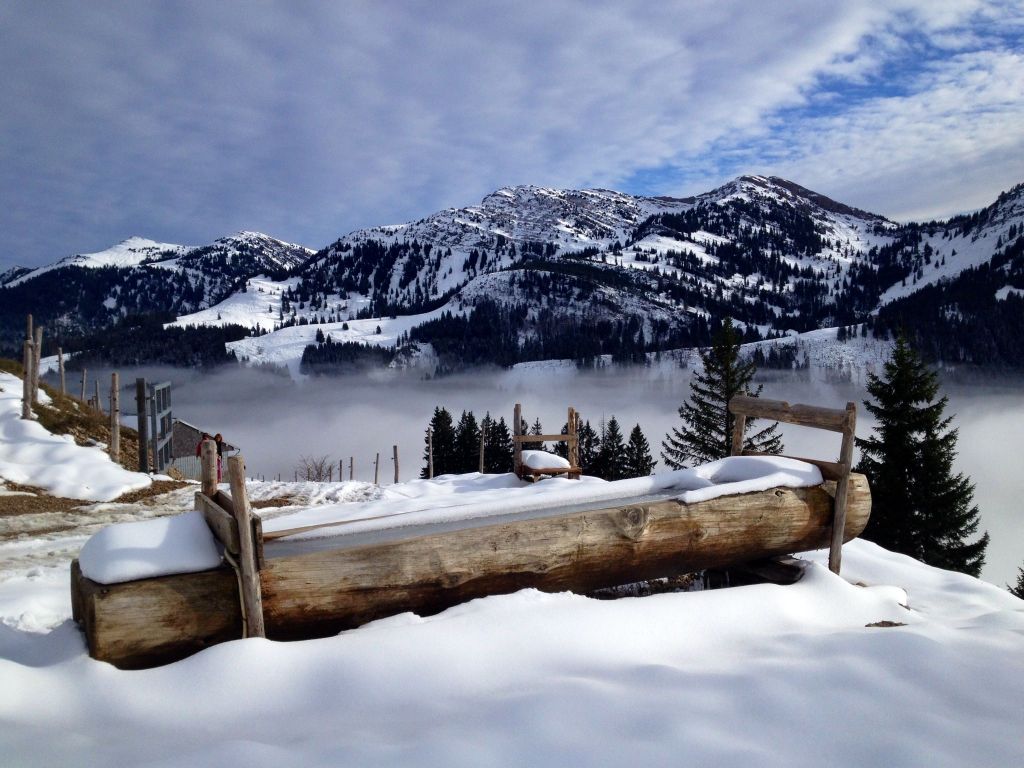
column 588, row 447
column 1018, row 590
column 638, row 459
column 443, row 436
column 609, row 464
column 706, row 431
column 536, row 429
column 498, row 448
column 919, row 506
column 467, row 444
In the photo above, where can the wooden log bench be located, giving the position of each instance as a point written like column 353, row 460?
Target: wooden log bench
column 288, row 588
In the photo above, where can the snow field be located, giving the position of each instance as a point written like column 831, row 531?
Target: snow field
column 761, row 675
column 31, row 455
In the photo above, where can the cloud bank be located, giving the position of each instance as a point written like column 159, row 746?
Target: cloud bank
column 186, row 121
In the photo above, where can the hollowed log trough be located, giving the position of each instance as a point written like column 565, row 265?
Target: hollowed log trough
column 318, row 587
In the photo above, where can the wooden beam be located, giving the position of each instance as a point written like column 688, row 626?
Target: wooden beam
column 544, row 438
column 833, row 419
column 835, row 553
column 517, row 448
column 247, row 558
column 221, row 522
column 208, row 467
column 325, row 590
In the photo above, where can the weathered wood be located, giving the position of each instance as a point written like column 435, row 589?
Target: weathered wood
column 247, row 557
column 323, row 591
column 221, row 522
column 143, row 623
column 430, row 454
column 394, row 450
column 376, row 469
column 835, row 554
column 517, row 447
column 208, row 467
column 37, row 356
column 573, row 443
column 142, row 424
column 96, row 395
column 26, row 383
column 84, row 382
column 352, row 467
column 60, row 371
column 544, row 438
column 833, row 419
column 115, row 417
column 551, row 471
column 739, row 427
column 483, row 438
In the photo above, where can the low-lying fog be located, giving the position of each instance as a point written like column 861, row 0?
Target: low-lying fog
column 275, row 421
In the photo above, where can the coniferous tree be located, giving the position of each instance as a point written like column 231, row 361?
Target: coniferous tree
column 588, row 447
column 638, row 459
column 1018, row 590
column 467, row 444
column 536, row 429
column 919, row 505
column 609, row 463
column 498, row 448
column 443, row 432
column 706, row 432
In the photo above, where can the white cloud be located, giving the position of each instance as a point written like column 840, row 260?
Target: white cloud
column 308, row 120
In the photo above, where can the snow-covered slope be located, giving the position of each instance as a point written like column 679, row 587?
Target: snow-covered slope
column 128, row 253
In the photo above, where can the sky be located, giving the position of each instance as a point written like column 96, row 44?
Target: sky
column 187, row 121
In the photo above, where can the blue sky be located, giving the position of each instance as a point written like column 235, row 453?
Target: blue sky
column 184, row 122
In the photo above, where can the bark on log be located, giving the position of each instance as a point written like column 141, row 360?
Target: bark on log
column 327, row 590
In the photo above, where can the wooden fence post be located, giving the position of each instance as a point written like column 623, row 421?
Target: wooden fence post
column 26, row 383
column 96, row 396
column 430, row 453
column 376, row 469
column 60, row 370
column 517, row 447
column 341, row 470
column 37, row 355
column 835, row 551
column 84, row 372
column 208, row 475
column 143, row 423
column 483, row 437
column 115, row 418
column 573, row 451
column 252, row 597
column 738, row 428
column 394, row 449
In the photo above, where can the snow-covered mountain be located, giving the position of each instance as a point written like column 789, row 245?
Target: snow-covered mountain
column 534, row 273
column 90, row 291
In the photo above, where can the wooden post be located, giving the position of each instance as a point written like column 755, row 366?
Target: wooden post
column 37, row 352
column 376, row 469
column 574, row 443
column 341, row 470
column 394, row 449
column 60, row 370
column 84, row 372
column 26, row 383
column 115, row 418
column 252, row 598
column 483, row 437
column 96, row 396
column 738, row 428
column 517, row 447
column 430, row 453
column 143, row 423
column 835, row 551
column 28, row 328
column 208, row 476
column 351, row 467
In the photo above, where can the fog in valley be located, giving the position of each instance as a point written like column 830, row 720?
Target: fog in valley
column 275, row 421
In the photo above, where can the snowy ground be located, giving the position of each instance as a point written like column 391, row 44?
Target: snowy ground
column 894, row 663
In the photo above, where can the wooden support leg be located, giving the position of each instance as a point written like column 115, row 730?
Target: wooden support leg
column 252, row 597
column 835, row 552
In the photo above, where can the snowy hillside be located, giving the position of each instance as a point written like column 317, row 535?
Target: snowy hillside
column 546, row 268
